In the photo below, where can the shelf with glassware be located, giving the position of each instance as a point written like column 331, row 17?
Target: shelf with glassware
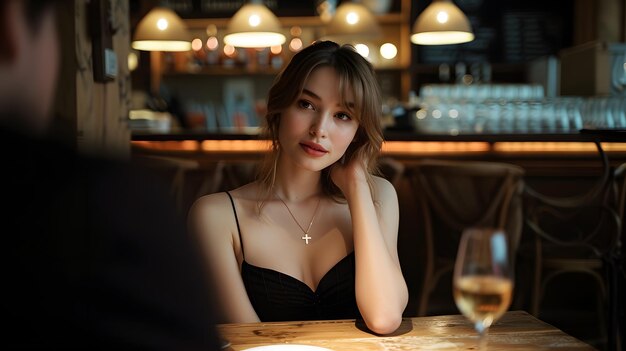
column 509, row 37
column 214, row 82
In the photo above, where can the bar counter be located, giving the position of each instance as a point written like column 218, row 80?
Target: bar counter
column 616, row 136
column 527, row 150
column 586, row 135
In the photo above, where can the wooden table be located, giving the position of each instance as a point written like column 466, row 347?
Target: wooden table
column 516, row 330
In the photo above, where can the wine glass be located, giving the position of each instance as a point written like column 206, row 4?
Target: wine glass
column 483, row 278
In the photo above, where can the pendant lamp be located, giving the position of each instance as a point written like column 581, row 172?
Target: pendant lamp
column 442, row 22
column 353, row 22
column 161, row 30
column 254, row 26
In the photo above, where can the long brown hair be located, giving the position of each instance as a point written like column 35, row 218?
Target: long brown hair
column 356, row 75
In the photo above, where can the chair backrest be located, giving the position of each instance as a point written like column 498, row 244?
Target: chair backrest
column 587, row 225
column 620, row 183
column 174, row 170
column 454, row 195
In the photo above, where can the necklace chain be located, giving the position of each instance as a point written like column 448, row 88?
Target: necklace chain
column 306, row 232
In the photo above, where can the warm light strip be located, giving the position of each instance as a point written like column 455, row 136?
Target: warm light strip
column 184, row 145
column 404, row 147
column 613, row 146
column 555, row 147
column 390, row 147
column 235, row 145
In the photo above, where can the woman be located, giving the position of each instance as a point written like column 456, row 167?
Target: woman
column 314, row 237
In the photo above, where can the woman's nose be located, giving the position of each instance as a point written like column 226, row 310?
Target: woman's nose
column 319, row 128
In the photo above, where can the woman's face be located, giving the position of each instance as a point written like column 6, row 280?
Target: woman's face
column 316, row 129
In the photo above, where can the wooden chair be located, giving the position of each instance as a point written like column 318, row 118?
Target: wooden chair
column 575, row 237
column 173, row 169
column 619, row 286
column 179, row 173
column 452, row 196
column 620, row 189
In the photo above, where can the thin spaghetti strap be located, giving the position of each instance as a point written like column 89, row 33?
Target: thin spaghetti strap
column 237, row 220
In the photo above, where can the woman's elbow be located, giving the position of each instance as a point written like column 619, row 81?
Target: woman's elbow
column 384, row 324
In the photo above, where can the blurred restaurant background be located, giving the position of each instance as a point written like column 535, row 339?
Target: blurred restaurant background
column 519, row 124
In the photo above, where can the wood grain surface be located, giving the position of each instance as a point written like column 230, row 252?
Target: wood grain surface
column 516, row 330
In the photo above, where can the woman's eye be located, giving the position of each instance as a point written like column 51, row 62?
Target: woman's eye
column 342, row 116
column 305, row 104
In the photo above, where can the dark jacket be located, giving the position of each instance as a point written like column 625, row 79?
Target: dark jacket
column 95, row 255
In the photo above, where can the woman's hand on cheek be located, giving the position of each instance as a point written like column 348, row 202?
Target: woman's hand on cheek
column 349, row 170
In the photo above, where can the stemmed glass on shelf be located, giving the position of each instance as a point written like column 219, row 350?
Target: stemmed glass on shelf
column 483, row 278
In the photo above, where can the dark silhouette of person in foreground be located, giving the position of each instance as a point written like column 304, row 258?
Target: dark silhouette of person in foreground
column 94, row 255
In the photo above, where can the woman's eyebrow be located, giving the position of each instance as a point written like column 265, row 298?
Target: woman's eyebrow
column 310, row 93
column 349, row 104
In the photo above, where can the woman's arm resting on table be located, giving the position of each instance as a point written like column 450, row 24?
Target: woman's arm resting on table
column 381, row 291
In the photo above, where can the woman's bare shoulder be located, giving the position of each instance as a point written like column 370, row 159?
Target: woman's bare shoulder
column 210, row 202
column 218, row 206
column 384, row 193
column 248, row 191
column 382, row 185
column 219, row 199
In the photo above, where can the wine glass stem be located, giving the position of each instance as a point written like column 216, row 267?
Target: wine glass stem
column 482, row 336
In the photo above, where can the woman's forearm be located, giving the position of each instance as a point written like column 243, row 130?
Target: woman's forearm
column 381, row 291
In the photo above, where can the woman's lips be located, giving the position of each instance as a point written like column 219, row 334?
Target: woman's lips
column 313, row 149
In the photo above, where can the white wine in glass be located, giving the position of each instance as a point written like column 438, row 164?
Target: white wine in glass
column 483, row 278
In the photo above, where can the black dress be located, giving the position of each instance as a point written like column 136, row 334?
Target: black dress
column 277, row 296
